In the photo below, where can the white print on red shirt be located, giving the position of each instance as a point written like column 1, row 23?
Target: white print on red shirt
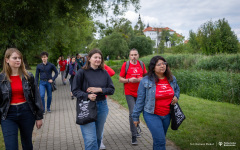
column 164, row 90
column 135, row 72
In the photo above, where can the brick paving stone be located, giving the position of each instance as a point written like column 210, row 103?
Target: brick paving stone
column 60, row 131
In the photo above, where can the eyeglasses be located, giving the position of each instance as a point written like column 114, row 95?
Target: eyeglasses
column 163, row 63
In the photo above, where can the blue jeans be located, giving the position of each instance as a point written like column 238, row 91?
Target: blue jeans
column 18, row 117
column 158, row 126
column 92, row 132
column 45, row 85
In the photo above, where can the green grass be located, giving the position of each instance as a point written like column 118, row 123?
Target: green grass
column 206, row 121
column 33, row 70
column 2, row 146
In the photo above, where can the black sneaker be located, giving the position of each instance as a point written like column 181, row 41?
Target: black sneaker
column 134, row 140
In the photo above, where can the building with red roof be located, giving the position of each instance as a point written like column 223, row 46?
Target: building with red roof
column 154, row 34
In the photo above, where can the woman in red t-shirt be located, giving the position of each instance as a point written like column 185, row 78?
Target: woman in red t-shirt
column 156, row 92
column 20, row 103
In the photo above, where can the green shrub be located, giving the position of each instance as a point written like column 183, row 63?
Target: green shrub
column 178, row 61
column 114, row 62
column 216, row 86
column 220, row 62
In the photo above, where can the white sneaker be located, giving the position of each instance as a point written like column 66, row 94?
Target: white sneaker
column 102, row 146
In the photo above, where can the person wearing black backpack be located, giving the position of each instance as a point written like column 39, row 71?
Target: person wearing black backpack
column 72, row 70
column 131, row 74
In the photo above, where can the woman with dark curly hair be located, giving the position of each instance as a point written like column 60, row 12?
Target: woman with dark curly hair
column 156, row 92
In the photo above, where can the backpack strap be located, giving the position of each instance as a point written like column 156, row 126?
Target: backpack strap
column 141, row 63
column 126, row 68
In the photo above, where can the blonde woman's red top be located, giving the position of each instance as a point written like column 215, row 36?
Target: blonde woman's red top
column 17, row 90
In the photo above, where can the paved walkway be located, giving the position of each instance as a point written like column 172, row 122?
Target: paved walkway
column 60, row 132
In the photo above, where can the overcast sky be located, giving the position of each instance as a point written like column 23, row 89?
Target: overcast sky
column 186, row 15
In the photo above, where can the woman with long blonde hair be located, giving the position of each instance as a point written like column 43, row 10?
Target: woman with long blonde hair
column 20, row 102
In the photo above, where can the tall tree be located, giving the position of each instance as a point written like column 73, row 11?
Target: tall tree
column 164, row 38
column 194, row 41
column 26, row 23
column 176, row 39
column 143, row 44
column 214, row 37
column 228, row 38
column 114, row 45
column 121, row 25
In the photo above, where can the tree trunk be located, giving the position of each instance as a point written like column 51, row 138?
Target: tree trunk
column 26, row 63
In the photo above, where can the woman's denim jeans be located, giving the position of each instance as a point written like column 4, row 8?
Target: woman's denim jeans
column 92, row 132
column 18, row 117
column 45, row 85
column 158, row 126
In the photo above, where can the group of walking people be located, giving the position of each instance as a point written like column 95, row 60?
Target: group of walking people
column 63, row 65
column 22, row 103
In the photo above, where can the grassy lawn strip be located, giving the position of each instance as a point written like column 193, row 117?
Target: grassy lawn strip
column 206, row 121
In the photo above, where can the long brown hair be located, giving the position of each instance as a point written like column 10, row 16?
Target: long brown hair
column 7, row 69
column 90, row 54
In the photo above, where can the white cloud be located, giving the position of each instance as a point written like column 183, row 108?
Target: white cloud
column 183, row 16
column 131, row 15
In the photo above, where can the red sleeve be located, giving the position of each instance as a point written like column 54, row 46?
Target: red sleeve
column 145, row 71
column 122, row 72
column 60, row 63
column 109, row 70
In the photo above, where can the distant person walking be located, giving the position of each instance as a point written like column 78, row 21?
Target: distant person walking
column 20, row 103
column 45, row 70
column 63, row 64
column 72, row 70
column 156, row 91
column 131, row 74
column 79, row 61
column 85, row 60
column 58, row 66
column 68, row 60
column 98, row 84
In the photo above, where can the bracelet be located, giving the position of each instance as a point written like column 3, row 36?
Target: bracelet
column 128, row 80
